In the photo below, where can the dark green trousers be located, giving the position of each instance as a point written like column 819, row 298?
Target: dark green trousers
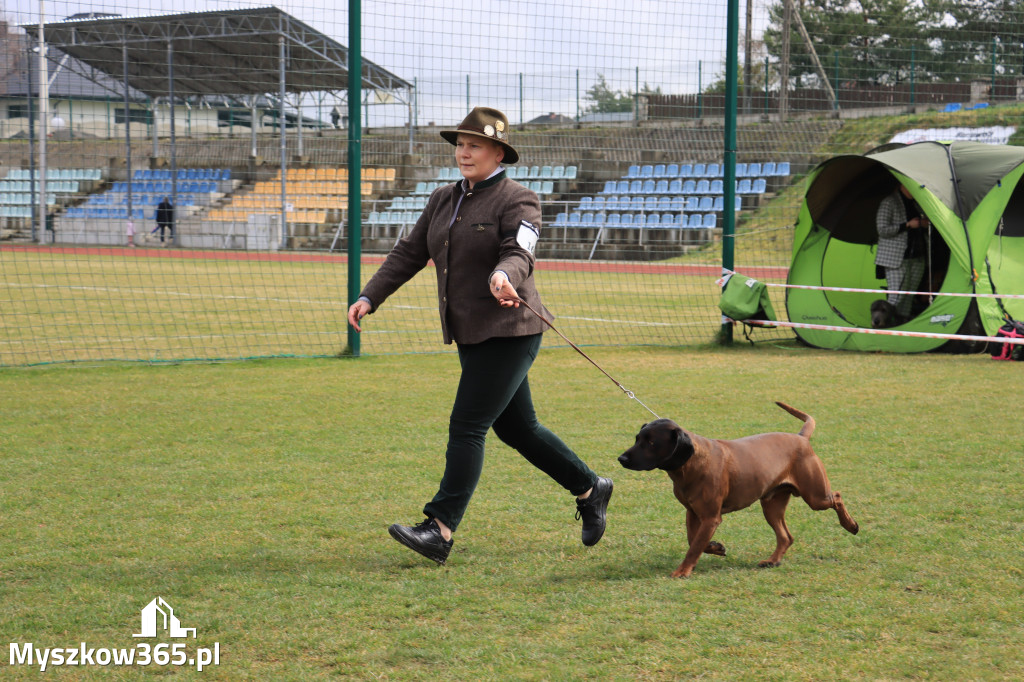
column 494, row 393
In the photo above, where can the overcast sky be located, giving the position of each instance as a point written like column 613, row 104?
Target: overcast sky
column 442, row 44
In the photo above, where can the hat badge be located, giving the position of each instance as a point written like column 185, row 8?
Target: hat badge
column 489, row 130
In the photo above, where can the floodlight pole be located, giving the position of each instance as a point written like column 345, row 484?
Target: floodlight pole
column 44, row 113
column 729, row 157
column 175, row 239
column 282, row 130
column 355, row 135
column 127, row 128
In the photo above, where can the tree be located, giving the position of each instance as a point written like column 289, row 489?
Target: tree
column 874, row 41
column 606, row 100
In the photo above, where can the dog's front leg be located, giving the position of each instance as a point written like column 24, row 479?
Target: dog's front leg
column 704, row 529
column 692, row 526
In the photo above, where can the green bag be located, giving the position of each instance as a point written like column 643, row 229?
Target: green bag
column 744, row 298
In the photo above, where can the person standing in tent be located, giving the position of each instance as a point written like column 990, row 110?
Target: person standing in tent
column 902, row 229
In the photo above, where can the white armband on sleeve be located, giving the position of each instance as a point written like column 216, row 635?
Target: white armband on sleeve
column 527, row 235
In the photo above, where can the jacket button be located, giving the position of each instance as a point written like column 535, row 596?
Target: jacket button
column 459, row 219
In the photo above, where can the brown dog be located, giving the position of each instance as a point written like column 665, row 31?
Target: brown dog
column 715, row 477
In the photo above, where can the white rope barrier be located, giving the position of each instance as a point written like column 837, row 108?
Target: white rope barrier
column 885, row 291
column 884, row 332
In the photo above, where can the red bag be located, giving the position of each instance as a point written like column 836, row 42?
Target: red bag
column 1008, row 351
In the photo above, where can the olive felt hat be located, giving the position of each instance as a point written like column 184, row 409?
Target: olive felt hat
column 488, row 123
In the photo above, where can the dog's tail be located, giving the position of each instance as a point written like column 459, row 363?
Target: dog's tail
column 808, row 420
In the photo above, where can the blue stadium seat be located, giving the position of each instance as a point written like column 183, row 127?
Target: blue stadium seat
column 713, row 170
column 633, row 172
column 561, row 220
column 627, row 219
column 635, row 187
column 647, row 171
column 622, row 187
column 637, row 204
column 703, row 187
column 754, row 170
column 717, row 186
column 648, row 187
column 743, row 186
column 782, row 169
column 699, row 170
column 570, row 172
column 639, row 219
column 695, row 220
column 586, row 204
column 558, row 172
column 689, row 186
column 706, row 204
column 574, row 219
column 653, row 220
column 676, row 186
column 672, row 170
column 614, row 219
column 760, row 185
column 686, row 170
column 546, row 172
column 547, row 186
column 741, row 170
column 612, row 203
column 678, row 204
column 692, row 203
column 661, row 187
column 665, row 204
column 710, row 220
column 600, row 219
column 587, row 219
column 719, row 204
column 597, row 204
column 659, row 170
column 768, row 169
column 609, row 187
column 650, row 204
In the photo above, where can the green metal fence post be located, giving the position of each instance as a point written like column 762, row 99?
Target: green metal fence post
column 729, row 225
column 355, row 135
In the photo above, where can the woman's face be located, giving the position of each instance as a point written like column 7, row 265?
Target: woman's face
column 477, row 157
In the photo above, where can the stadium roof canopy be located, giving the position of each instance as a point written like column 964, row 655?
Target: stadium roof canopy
column 221, row 52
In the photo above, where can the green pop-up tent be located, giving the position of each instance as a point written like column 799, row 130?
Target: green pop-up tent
column 973, row 195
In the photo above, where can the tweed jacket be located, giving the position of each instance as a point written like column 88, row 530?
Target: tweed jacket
column 891, row 221
column 481, row 239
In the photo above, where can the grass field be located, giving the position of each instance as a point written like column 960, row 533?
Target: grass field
column 151, row 305
column 254, row 498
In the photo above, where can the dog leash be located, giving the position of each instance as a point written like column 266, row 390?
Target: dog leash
column 629, row 393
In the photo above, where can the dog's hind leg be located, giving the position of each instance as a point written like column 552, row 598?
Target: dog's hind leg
column 818, row 494
column 774, row 508
column 845, row 520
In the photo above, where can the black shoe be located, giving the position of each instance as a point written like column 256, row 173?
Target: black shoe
column 424, row 538
column 592, row 511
